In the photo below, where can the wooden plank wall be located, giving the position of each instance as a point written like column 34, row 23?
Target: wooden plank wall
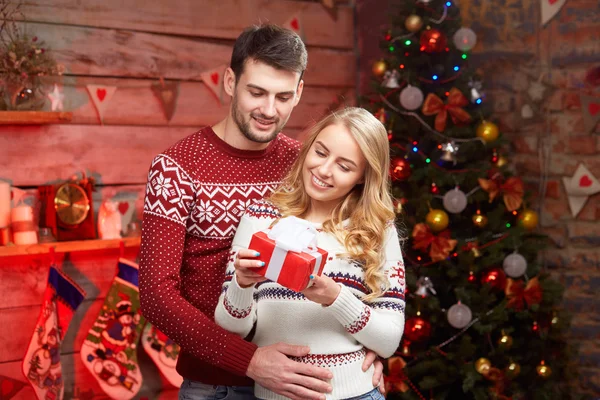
column 130, row 45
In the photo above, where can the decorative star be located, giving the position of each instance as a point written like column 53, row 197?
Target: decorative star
column 536, row 91
column 56, row 98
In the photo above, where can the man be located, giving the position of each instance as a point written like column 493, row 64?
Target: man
column 196, row 193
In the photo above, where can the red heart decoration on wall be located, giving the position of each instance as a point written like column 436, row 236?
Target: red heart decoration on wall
column 295, row 24
column 585, row 181
column 552, row 1
column 214, row 77
column 101, row 93
column 123, row 207
column 594, row 108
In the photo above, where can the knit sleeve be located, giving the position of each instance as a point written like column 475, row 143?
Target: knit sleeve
column 170, row 195
column 236, row 308
column 379, row 324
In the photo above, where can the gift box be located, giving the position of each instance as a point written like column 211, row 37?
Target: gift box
column 290, row 253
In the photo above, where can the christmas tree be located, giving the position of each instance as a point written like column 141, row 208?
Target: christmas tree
column 483, row 317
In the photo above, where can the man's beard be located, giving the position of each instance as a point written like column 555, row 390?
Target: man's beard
column 244, row 126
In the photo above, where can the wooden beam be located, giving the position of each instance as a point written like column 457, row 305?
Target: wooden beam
column 35, row 155
column 34, row 117
column 68, row 247
column 134, row 103
column 120, row 53
column 223, row 19
column 121, row 154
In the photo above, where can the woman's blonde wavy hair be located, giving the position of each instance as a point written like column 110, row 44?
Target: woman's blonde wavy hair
column 368, row 206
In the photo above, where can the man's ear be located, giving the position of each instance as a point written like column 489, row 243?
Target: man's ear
column 299, row 92
column 229, row 81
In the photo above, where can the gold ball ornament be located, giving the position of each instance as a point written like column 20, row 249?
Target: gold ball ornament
column 543, row 370
column 379, row 68
column 528, row 219
column 483, row 365
column 505, row 341
column 398, row 206
column 488, row 131
column 413, row 23
column 480, row 220
column 437, row 220
column 512, row 370
column 502, row 161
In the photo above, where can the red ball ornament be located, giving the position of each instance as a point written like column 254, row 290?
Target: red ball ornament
column 433, row 41
column 417, row 329
column 495, row 277
column 400, row 169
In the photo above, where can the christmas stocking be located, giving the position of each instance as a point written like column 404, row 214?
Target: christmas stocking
column 41, row 365
column 109, row 350
column 164, row 352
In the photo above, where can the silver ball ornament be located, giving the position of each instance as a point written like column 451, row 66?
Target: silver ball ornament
column 455, row 201
column 411, row 97
column 464, row 39
column 459, row 315
column 514, row 265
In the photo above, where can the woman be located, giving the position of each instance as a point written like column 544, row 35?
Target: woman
column 340, row 185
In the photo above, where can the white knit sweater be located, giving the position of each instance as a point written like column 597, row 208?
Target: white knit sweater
column 338, row 334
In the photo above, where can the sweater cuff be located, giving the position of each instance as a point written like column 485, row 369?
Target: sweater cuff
column 237, row 354
column 352, row 313
column 238, row 301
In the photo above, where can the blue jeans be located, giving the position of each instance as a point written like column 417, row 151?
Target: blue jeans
column 191, row 390
column 372, row 395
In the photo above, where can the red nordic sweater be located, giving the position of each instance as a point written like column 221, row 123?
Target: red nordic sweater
column 197, row 191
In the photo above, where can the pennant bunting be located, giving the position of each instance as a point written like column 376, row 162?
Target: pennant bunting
column 550, row 8
column 213, row 79
column 329, row 4
column 295, row 24
column 101, row 96
column 167, row 95
column 579, row 187
column 591, row 111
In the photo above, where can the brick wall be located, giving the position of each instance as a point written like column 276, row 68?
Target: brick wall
column 512, row 49
column 561, row 52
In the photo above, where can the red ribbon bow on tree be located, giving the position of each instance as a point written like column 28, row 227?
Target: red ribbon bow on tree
column 512, row 190
column 439, row 246
column 499, row 379
column 518, row 295
column 434, row 105
column 395, row 381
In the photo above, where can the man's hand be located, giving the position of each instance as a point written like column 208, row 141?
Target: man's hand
column 371, row 359
column 271, row 368
column 244, row 263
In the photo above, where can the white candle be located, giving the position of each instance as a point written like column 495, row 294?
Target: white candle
column 22, row 213
column 4, row 204
column 28, row 237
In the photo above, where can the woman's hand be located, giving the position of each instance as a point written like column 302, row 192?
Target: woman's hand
column 244, row 263
column 324, row 290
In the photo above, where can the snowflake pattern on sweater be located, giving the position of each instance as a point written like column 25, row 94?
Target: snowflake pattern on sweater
column 196, row 194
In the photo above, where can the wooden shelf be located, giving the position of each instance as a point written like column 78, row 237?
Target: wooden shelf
column 34, row 117
column 68, row 247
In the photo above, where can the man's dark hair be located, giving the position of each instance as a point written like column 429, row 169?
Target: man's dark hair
column 277, row 47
